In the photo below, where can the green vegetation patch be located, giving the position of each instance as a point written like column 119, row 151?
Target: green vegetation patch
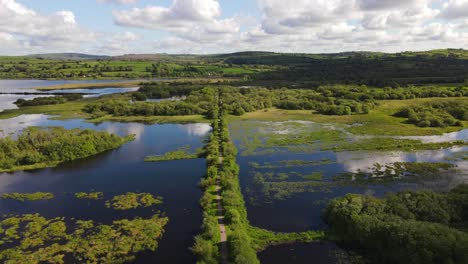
column 179, row 154
column 28, row 196
column 381, row 143
column 133, row 200
column 46, row 147
column 436, row 114
column 34, row 239
column 409, row 227
column 89, row 196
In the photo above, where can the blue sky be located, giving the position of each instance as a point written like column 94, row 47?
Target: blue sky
column 211, row 26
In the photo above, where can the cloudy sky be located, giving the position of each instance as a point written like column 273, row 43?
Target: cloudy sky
column 210, row 26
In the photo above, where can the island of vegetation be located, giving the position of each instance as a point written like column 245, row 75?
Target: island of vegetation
column 133, row 200
column 28, row 196
column 34, row 239
column 406, row 227
column 89, row 196
column 179, row 154
column 47, row 147
column 48, row 100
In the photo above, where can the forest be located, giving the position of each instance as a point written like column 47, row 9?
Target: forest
column 408, row 227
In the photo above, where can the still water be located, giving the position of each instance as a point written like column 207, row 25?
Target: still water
column 117, row 172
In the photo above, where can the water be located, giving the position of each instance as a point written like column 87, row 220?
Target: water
column 302, row 209
column 317, row 253
column 28, row 86
column 117, row 172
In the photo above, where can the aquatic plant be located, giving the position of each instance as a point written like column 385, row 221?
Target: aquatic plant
column 133, row 200
column 179, row 154
column 90, row 196
column 28, row 196
column 34, row 239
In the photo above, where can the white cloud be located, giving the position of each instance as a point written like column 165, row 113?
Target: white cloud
column 454, row 9
column 118, row 44
column 181, row 14
column 194, row 20
column 281, row 18
column 58, row 31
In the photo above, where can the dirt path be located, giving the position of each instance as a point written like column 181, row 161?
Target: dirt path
column 222, row 227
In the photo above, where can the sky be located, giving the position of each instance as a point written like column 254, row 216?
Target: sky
column 116, row 27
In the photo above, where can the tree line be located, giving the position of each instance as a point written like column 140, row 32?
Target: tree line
column 406, row 227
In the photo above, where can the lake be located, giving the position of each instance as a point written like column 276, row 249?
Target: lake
column 117, row 172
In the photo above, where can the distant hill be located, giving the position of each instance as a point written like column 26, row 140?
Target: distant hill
column 69, row 56
column 257, row 56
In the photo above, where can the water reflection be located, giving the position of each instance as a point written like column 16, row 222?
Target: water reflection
column 13, row 126
column 7, row 100
column 198, row 129
column 364, row 161
column 447, row 137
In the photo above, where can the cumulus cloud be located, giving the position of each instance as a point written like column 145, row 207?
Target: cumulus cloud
column 58, row 30
column 285, row 19
column 194, row 20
